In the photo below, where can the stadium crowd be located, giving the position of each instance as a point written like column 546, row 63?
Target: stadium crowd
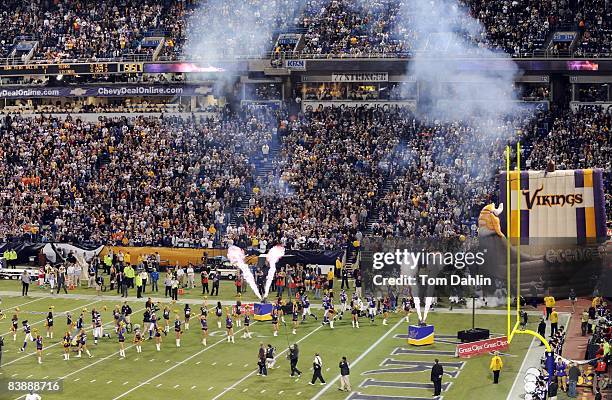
column 132, row 181
column 76, row 29
column 172, row 181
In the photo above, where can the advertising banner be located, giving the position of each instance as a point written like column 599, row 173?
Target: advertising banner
column 105, row 91
column 468, row 350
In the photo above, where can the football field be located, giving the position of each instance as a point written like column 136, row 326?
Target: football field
column 383, row 366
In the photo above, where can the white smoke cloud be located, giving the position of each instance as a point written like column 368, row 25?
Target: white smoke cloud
column 237, row 257
column 447, row 37
column 275, row 254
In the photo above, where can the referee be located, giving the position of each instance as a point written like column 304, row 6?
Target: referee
column 317, row 365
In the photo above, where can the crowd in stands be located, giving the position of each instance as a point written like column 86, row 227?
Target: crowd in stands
column 339, row 173
column 131, row 181
column 80, row 29
column 325, row 179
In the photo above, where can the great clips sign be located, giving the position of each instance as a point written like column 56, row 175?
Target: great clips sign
column 467, row 350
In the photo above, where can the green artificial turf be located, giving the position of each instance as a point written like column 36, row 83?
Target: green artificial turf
column 227, row 371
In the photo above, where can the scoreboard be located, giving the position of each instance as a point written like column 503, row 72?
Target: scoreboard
column 72, row 69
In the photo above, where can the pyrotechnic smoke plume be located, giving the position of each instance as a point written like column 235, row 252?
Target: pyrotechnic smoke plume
column 237, row 257
column 273, row 256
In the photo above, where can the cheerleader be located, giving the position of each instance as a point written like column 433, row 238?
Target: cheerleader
column 386, row 305
column 279, row 309
column 247, row 323
column 166, row 316
column 177, row 330
column 343, row 303
column 331, row 315
column 229, row 325
column 219, row 313
column 275, row 322
column 406, row 308
column 49, row 323
column 66, row 344
column 80, row 324
column 158, row 338
column 138, row 339
column 121, row 337
column 39, row 347
column 14, row 326
column 187, row 316
column 204, row 325
column 82, row 342
column 295, row 317
column 355, row 314
column 27, row 329
column 204, row 308
column 237, row 312
column 69, row 321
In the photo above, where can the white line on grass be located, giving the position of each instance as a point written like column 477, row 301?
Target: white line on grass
column 43, row 320
column 244, row 378
column 158, row 385
column 27, row 302
column 174, row 366
column 361, row 357
column 55, row 344
column 193, row 387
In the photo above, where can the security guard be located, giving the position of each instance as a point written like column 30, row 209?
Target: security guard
column 496, row 366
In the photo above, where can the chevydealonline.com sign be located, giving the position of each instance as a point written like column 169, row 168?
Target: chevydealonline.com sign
column 467, row 350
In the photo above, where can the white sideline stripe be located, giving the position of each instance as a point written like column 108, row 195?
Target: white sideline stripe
column 174, row 366
column 43, row 320
column 361, row 357
column 55, row 344
column 254, row 371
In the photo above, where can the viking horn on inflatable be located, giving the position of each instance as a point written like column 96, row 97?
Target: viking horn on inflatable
column 498, row 210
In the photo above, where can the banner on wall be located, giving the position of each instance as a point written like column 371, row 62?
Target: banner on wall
column 106, row 91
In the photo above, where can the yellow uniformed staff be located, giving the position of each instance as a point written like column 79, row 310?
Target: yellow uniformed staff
column 554, row 322
column 549, row 302
column 496, row 366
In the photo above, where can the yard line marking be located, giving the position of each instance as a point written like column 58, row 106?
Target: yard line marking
column 158, row 385
column 327, row 370
column 14, row 375
column 215, row 363
column 174, row 366
column 229, row 365
column 245, row 390
column 92, row 381
column 244, row 378
column 151, row 360
column 263, row 391
column 175, row 386
column 211, row 388
column 77, row 379
column 361, row 357
column 126, row 382
column 246, row 365
column 167, row 361
column 198, row 363
column 281, row 392
column 193, row 387
column 109, row 382
column 29, row 376
column 136, row 359
column 299, row 393
column 64, row 312
column 58, row 343
column 45, row 377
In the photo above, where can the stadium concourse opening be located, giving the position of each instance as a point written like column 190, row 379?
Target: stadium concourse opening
column 331, row 199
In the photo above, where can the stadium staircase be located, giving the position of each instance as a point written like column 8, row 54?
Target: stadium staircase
column 262, row 169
